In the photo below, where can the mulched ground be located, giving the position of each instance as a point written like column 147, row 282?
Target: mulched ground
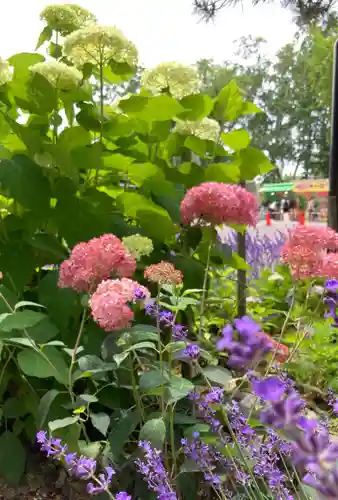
column 43, row 480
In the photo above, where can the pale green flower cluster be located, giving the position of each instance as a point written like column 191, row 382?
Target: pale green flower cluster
column 66, row 18
column 138, row 245
column 5, row 72
column 207, row 129
column 99, row 44
column 59, row 74
column 173, row 77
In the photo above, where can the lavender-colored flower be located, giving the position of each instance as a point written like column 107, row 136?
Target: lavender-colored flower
column 269, row 389
column 262, row 251
column 315, row 451
column 192, row 351
column 122, row 496
column 332, row 400
column 70, row 460
column 139, row 294
column 152, row 308
column 245, row 434
column 331, row 286
column 167, row 318
column 206, row 456
column 103, row 482
column 52, row 446
column 84, row 468
column 214, row 395
column 179, row 332
column 154, row 472
column 285, row 413
column 249, row 349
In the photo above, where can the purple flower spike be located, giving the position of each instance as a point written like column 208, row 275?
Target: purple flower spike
column 139, row 294
column 122, row 496
column 226, row 341
column 84, row 468
column 331, row 286
column 192, row 351
column 154, row 472
column 246, row 326
column 269, row 389
column 52, row 446
column 104, row 481
column 285, row 413
column 179, row 332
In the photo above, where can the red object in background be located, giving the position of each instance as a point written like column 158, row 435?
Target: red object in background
column 268, row 219
column 302, row 218
column 282, row 352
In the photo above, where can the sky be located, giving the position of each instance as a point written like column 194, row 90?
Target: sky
column 163, row 30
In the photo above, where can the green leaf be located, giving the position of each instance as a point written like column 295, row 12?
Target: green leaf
column 253, row 162
column 74, row 137
column 101, row 422
column 228, row 173
column 218, row 375
column 237, row 139
column 196, row 107
column 20, row 320
column 178, row 388
column 22, row 62
column 90, row 450
column 12, row 458
column 45, row 36
column 152, row 379
column 62, row 422
column 24, row 181
column 125, row 424
column 45, row 404
column 154, row 431
column 59, row 301
column 229, row 103
column 14, row 408
column 51, row 364
column 43, row 332
column 27, row 303
column 55, row 50
column 153, row 219
column 159, row 108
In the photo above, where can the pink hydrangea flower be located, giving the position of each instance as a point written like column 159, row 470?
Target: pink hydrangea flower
column 306, row 251
column 109, row 303
column 219, row 203
column 94, row 261
column 329, row 266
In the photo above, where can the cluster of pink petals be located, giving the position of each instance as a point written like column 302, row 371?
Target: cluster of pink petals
column 94, row 261
column 219, row 203
column 109, row 303
column 306, row 252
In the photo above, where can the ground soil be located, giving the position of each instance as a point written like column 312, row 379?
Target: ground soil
column 43, row 480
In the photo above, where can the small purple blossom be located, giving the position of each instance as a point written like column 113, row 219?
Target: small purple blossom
column 103, row 482
column 248, row 348
column 139, row 294
column 154, row 472
column 285, row 413
column 167, row 318
column 179, row 332
column 122, row 496
column 52, row 446
column 269, row 389
column 331, row 286
column 84, row 468
column 192, row 351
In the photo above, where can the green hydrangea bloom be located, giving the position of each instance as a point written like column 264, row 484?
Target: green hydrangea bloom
column 138, row 245
column 59, row 74
column 95, row 44
column 66, row 18
column 179, row 80
column 5, row 72
column 207, row 129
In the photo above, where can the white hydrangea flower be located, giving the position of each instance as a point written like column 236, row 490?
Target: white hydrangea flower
column 95, row 44
column 207, row 129
column 66, row 18
column 59, row 74
column 5, row 72
column 178, row 79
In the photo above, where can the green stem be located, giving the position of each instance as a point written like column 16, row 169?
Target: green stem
column 285, row 324
column 204, row 291
column 101, row 118
column 160, row 351
column 172, row 441
column 73, row 361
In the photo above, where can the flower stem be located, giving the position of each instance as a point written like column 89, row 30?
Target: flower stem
column 77, row 343
column 204, row 291
column 160, row 351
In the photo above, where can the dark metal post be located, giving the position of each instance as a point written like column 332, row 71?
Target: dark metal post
column 333, row 164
